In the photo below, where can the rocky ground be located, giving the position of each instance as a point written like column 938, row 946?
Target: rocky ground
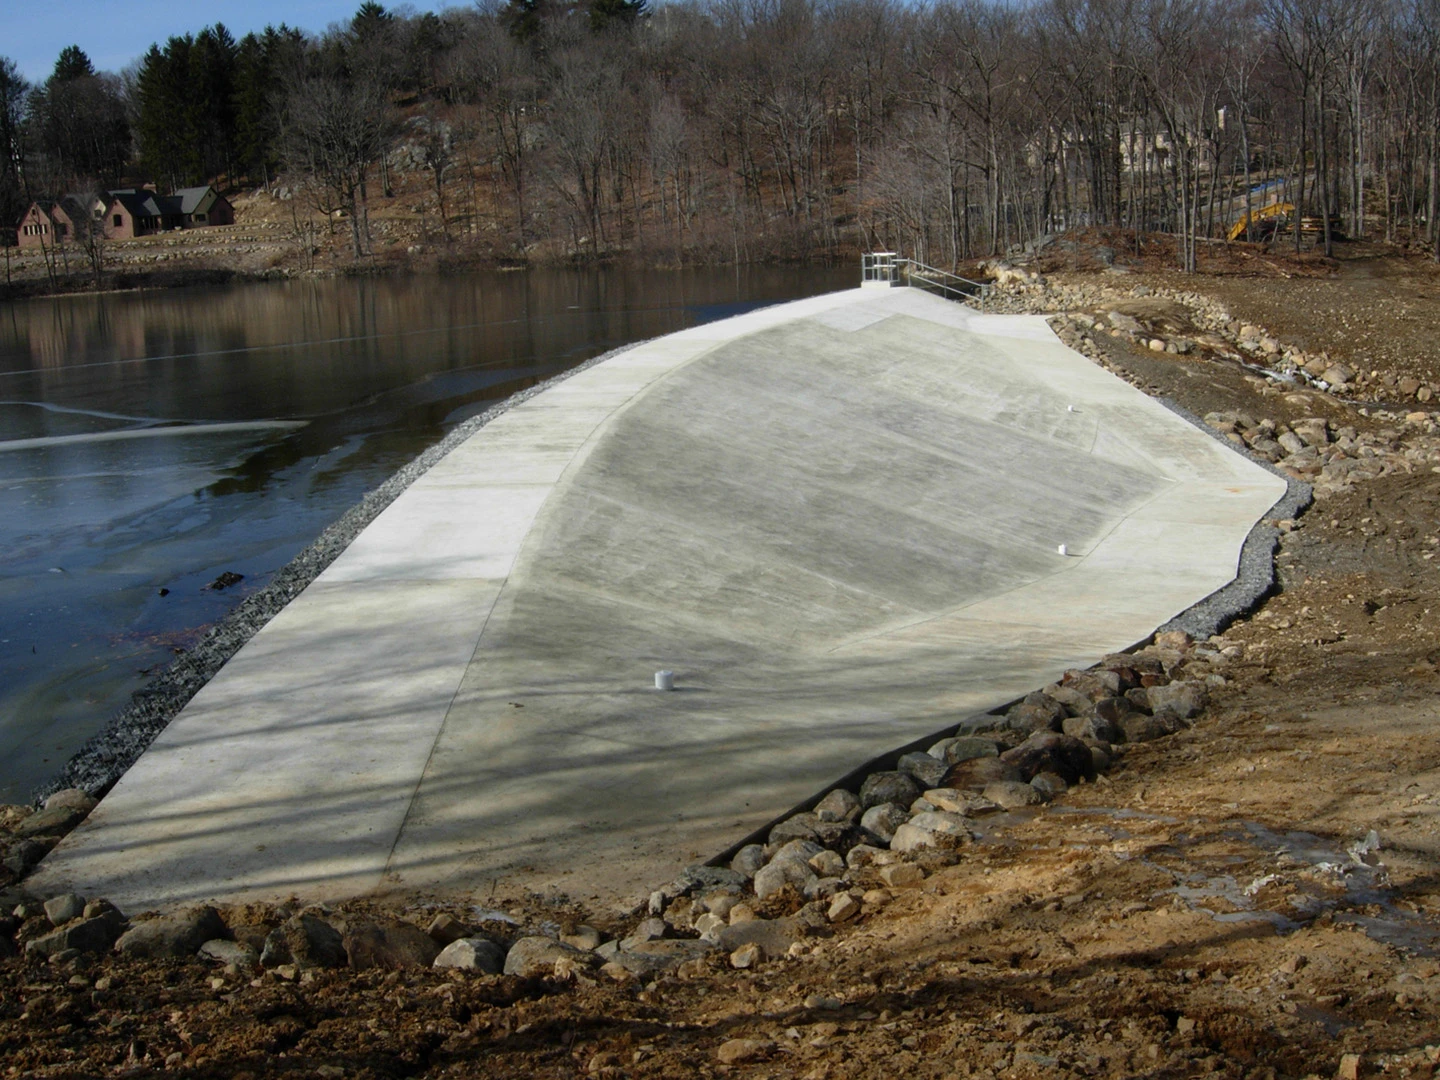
column 1207, row 858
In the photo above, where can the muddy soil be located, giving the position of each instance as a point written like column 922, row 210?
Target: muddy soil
column 1216, row 906
column 1375, row 310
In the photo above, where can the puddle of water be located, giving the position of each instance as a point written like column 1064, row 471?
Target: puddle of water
column 1121, row 814
column 1398, row 929
column 1317, row 875
column 1329, row 879
column 1332, row 1024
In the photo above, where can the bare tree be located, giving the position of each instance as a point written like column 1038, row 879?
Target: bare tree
column 437, row 149
column 335, row 129
column 501, row 77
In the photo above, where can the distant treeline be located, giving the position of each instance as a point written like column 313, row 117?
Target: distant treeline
column 747, row 129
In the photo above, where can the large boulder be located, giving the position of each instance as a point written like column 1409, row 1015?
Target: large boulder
column 930, row 829
column 1123, row 666
column 174, row 936
column 1182, row 700
column 922, row 768
column 974, row 774
column 838, row 805
column 779, row 872
column 75, row 798
column 888, row 787
column 955, row 801
column 748, row 861
column 1092, row 729
column 23, row 854
column 1094, row 685
column 1076, row 703
column 61, row 909
column 55, row 821
column 1138, row 727
column 801, row 850
column 839, row 836
column 800, row 826
column 701, row 878
column 537, row 956
column 1139, row 698
column 883, row 820
column 774, row 936
column 966, row 747
column 388, row 943
column 472, row 954
column 238, row 953
column 1064, row 755
column 1113, row 709
column 94, row 936
column 306, row 941
column 1037, row 712
column 649, row 958
column 1011, row 794
column 445, row 929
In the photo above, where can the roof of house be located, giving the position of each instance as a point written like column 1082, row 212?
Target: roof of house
column 76, row 206
column 191, row 197
column 143, row 203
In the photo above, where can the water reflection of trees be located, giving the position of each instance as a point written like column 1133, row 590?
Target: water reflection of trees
column 304, row 348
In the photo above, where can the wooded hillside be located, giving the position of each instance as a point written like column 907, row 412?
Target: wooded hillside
column 720, row 130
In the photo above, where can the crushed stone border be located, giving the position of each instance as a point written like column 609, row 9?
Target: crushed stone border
column 107, row 755
column 1255, row 575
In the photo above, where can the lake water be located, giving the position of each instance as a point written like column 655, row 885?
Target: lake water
column 151, row 441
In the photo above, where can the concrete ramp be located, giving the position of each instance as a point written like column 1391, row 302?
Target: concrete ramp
column 837, row 521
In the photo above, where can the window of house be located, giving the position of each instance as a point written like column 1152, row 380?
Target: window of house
column 199, row 217
column 118, row 221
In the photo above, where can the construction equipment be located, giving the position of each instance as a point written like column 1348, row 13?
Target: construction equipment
column 1254, row 217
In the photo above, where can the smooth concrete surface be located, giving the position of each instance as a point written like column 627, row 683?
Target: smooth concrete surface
column 837, row 521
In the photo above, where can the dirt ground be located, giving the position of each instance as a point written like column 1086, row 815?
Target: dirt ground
column 1214, row 906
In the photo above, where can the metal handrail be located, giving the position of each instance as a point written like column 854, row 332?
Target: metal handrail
column 950, row 285
column 887, row 267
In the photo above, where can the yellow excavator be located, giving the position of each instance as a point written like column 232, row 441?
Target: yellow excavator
column 1265, row 213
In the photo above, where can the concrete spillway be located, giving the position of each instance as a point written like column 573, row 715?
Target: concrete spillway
column 837, row 521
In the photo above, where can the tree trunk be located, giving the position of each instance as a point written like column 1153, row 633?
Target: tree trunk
column 1245, row 151
column 1322, row 176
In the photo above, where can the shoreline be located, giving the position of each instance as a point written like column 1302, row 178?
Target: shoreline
column 117, row 281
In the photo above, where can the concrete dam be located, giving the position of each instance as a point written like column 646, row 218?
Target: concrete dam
column 842, row 523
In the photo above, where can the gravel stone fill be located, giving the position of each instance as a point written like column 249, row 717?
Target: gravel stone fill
column 103, row 759
column 1255, row 576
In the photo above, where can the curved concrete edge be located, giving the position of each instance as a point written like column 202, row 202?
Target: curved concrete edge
column 107, row 756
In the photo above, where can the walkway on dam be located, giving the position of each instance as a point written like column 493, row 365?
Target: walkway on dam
column 838, row 522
